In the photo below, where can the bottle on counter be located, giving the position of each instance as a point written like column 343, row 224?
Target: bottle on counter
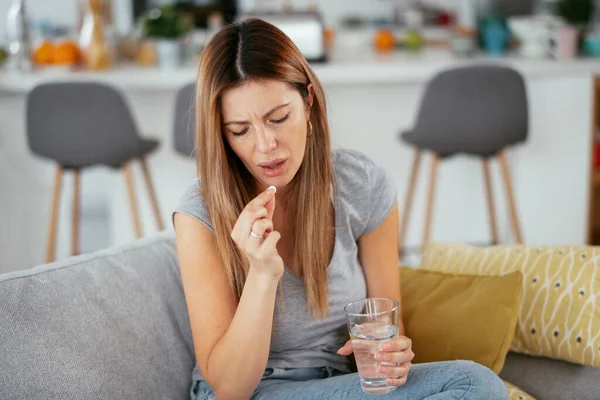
column 466, row 16
column 96, row 52
column 19, row 38
column 495, row 35
column 463, row 41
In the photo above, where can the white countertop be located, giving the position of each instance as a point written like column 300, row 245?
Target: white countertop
column 346, row 68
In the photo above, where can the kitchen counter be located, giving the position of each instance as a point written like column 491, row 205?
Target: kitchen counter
column 367, row 67
column 370, row 98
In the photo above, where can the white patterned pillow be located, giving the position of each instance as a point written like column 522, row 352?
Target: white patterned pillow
column 559, row 315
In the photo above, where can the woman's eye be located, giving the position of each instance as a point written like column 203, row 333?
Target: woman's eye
column 279, row 121
column 240, row 133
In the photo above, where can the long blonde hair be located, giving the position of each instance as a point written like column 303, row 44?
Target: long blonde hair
column 254, row 50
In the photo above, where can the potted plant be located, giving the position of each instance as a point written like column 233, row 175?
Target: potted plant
column 575, row 12
column 3, row 56
column 166, row 26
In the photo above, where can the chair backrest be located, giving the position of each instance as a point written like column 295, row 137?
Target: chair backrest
column 477, row 110
column 80, row 123
column 184, row 129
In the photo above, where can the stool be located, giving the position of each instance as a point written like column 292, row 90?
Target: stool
column 79, row 125
column 478, row 111
column 184, row 129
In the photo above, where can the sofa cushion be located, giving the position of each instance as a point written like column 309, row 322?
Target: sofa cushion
column 108, row 325
column 469, row 317
column 549, row 379
column 559, row 316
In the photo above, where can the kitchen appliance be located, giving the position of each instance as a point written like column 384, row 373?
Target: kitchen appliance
column 305, row 29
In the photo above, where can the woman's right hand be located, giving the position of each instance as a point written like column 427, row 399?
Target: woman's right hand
column 254, row 235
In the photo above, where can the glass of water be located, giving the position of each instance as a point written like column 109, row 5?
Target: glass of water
column 371, row 322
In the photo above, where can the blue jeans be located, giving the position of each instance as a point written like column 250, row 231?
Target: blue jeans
column 460, row 380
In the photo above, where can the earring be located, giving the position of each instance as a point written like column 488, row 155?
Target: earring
column 310, row 129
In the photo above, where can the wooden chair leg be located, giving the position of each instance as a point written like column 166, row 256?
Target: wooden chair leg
column 76, row 213
column 489, row 194
column 132, row 200
column 514, row 220
column 430, row 199
column 54, row 213
column 414, row 173
column 152, row 194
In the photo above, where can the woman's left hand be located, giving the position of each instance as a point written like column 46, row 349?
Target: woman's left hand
column 394, row 358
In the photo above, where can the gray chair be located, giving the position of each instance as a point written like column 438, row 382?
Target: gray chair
column 478, row 111
column 79, row 125
column 184, row 129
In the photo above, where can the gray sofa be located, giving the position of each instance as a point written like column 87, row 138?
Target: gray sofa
column 114, row 325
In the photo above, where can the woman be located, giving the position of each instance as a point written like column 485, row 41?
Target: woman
column 279, row 233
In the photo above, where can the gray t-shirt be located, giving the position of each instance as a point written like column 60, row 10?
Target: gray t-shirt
column 364, row 195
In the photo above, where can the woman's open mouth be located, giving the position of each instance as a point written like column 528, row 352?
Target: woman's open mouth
column 274, row 167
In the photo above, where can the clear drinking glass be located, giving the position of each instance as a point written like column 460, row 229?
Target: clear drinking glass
column 371, row 322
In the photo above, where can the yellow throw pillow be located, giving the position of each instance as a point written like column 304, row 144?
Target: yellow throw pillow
column 466, row 317
column 515, row 393
column 559, row 315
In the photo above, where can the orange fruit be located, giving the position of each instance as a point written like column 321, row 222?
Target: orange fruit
column 44, row 52
column 384, row 40
column 329, row 36
column 66, row 52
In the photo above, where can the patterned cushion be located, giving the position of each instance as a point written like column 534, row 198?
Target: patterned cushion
column 514, row 393
column 559, row 315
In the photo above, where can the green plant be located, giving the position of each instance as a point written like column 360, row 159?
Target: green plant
column 3, row 55
column 165, row 22
column 575, row 12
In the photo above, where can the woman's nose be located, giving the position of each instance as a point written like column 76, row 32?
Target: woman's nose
column 265, row 140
